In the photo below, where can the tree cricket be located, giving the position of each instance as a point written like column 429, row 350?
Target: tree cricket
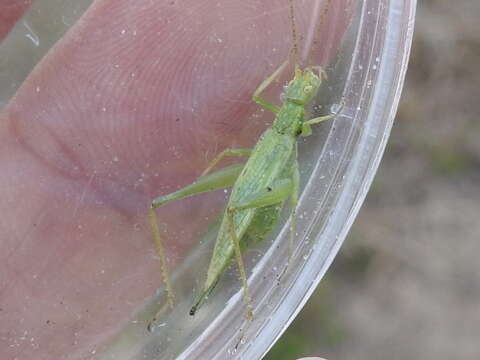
column 260, row 187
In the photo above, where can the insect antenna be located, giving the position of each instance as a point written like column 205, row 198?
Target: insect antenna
column 320, row 11
column 294, row 51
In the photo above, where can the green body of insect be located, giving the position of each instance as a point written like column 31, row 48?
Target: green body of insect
column 260, row 187
column 269, row 177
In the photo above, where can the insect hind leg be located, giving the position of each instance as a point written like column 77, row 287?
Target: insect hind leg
column 226, row 152
column 294, row 200
column 275, row 194
column 241, row 265
column 160, row 250
column 223, row 178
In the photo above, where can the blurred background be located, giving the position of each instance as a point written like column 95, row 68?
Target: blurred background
column 406, row 284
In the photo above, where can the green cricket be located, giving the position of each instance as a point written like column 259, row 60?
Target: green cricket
column 260, row 187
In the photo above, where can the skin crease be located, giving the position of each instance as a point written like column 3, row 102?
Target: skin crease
column 131, row 103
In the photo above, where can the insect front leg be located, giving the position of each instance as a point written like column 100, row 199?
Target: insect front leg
column 306, row 126
column 322, row 74
column 272, row 195
column 265, row 83
column 217, row 180
column 226, row 152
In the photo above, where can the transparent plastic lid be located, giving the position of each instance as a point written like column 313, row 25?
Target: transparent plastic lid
column 106, row 105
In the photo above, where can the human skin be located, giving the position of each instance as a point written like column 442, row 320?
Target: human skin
column 10, row 12
column 131, row 103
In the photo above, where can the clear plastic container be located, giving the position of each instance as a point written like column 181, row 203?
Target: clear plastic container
column 203, row 107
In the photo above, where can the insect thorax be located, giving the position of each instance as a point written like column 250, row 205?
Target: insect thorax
column 298, row 93
column 289, row 119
